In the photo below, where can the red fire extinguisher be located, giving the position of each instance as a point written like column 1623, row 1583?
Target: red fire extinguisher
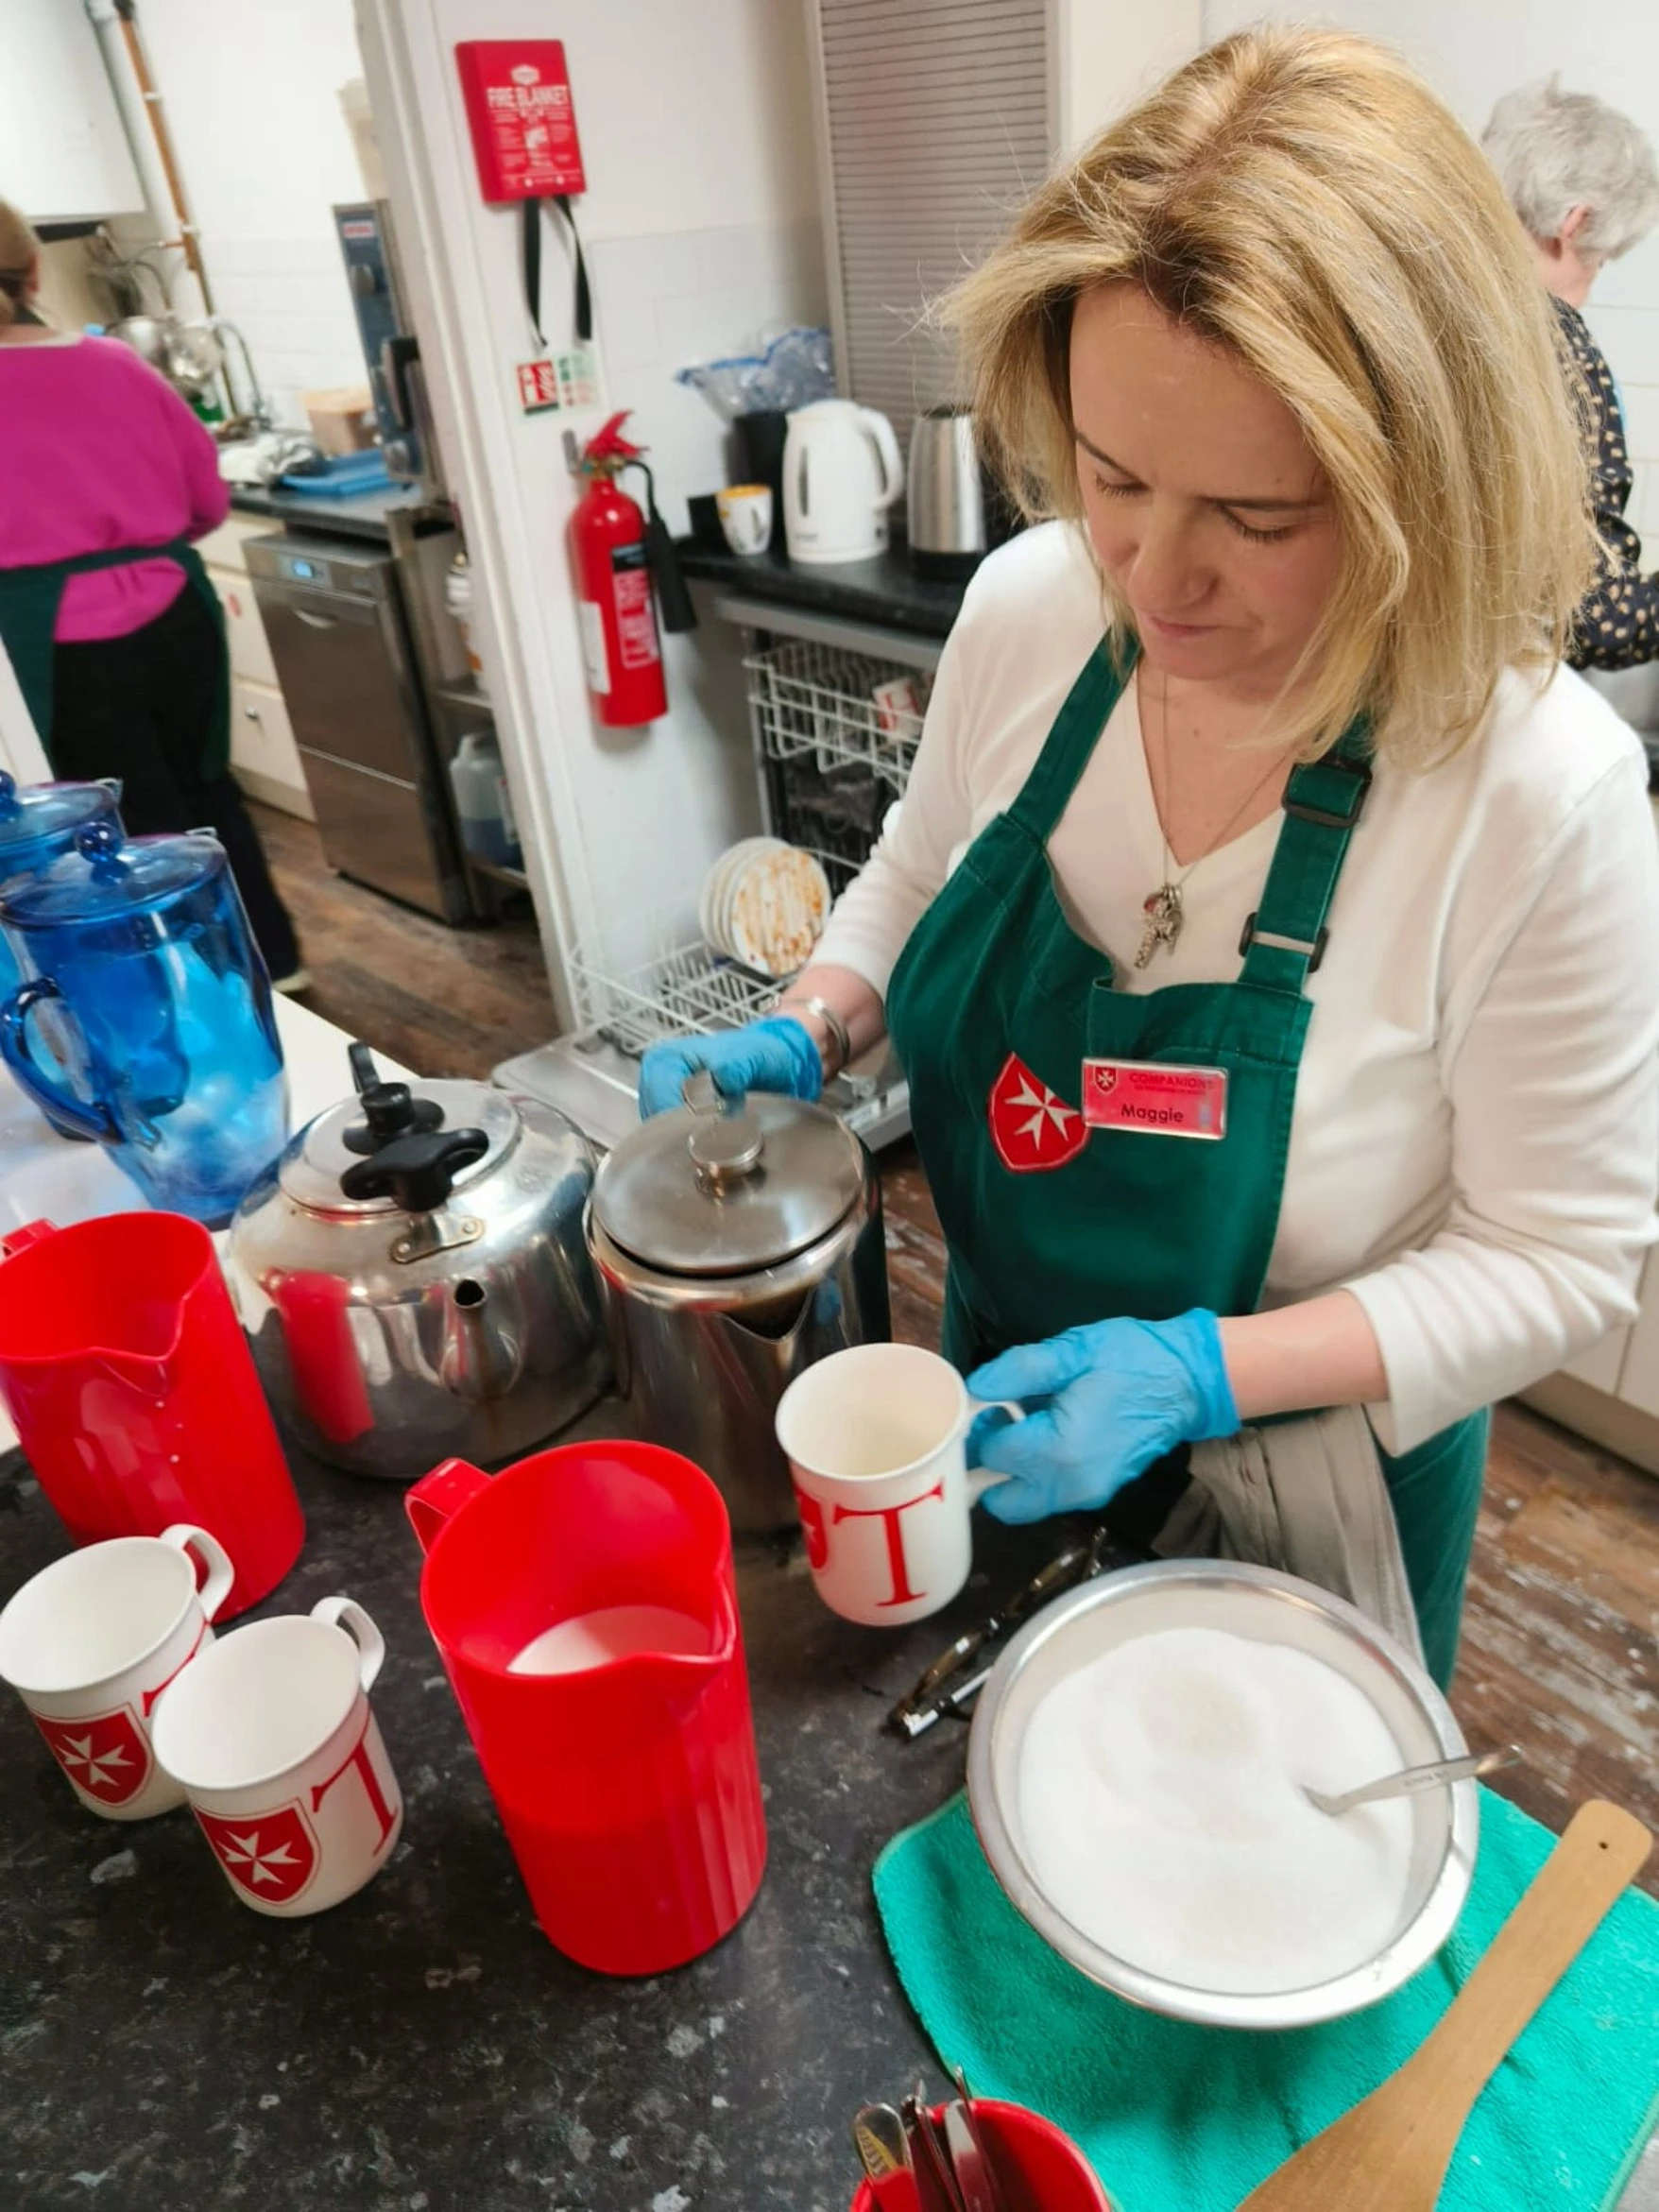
column 613, row 584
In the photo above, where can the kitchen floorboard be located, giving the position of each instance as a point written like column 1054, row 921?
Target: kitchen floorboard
column 447, row 1002
column 1559, row 1652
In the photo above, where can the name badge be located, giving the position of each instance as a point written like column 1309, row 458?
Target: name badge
column 1155, row 1097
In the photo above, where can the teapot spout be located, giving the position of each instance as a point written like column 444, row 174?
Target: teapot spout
column 482, row 1357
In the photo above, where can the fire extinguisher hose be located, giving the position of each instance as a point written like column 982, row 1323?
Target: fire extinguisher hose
column 673, row 601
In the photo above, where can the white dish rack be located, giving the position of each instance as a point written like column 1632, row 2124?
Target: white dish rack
column 817, row 703
column 679, row 994
column 810, row 704
column 832, row 759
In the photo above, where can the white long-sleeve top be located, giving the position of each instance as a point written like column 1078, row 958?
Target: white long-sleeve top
column 1474, row 1146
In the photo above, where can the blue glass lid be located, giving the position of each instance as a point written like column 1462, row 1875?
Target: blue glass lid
column 105, row 875
column 38, row 821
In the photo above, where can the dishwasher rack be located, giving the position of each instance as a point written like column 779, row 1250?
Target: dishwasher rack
column 833, row 759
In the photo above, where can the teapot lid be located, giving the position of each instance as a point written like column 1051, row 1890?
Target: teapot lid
column 720, row 1186
column 105, row 873
column 37, row 820
column 395, row 1150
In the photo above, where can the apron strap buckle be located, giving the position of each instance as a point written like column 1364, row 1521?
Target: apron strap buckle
column 1314, row 954
column 1342, row 816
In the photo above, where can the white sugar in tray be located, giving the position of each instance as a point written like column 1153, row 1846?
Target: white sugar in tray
column 1161, row 1803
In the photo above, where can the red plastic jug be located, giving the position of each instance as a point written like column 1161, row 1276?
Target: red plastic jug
column 625, row 1779
column 134, row 1394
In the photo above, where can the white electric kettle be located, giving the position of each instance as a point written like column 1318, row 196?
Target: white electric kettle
column 842, row 471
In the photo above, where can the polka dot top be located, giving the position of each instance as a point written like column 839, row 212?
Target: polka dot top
column 1619, row 624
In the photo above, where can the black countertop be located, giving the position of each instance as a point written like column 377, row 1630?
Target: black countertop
column 365, row 515
column 422, row 2046
column 885, row 591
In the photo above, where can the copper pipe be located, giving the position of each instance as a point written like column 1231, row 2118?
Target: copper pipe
column 132, row 37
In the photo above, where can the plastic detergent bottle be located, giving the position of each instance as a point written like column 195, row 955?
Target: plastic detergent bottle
column 483, row 803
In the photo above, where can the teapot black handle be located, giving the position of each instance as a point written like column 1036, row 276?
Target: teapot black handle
column 417, row 1170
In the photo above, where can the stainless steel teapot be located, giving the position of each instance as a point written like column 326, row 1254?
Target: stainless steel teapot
column 735, row 1243
column 411, row 1275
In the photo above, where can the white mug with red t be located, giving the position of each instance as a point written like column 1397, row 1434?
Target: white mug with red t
column 282, row 1760
column 91, row 1642
column 874, row 1437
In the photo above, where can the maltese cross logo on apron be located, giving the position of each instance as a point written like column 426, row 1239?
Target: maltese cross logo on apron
column 1031, row 1128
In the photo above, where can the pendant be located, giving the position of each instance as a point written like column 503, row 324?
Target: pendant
column 1163, row 921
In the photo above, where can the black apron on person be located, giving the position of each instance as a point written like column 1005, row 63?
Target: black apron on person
column 30, row 602
column 176, row 670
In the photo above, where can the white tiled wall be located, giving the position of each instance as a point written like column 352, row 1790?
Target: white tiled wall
column 251, row 95
column 665, row 301
column 289, row 298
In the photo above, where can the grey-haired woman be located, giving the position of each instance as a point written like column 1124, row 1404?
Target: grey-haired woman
column 1583, row 181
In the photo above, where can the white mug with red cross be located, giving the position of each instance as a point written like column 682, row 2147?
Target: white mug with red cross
column 282, row 1760
column 874, row 1438
column 91, row 1642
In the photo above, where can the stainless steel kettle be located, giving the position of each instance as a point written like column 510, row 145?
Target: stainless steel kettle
column 413, row 1277
column 735, row 1244
column 947, row 517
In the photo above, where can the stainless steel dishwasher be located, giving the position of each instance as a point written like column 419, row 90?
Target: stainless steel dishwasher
column 339, row 635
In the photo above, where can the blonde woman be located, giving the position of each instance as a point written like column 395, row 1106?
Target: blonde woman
column 1271, row 931
column 106, row 611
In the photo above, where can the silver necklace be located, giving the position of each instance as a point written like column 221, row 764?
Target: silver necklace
column 1162, row 908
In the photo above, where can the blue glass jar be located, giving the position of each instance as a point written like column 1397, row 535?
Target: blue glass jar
column 38, row 822
column 141, row 955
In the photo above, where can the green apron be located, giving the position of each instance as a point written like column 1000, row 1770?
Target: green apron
column 993, row 1007
column 29, row 600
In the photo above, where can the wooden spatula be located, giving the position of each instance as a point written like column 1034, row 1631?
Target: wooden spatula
column 1390, row 2153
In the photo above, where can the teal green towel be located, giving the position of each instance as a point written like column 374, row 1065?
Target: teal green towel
column 1179, row 2119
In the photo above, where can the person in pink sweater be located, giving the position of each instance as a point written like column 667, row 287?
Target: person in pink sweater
column 121, row 658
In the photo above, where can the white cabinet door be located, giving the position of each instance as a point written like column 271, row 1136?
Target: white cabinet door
column 222, row 548
column 262, row 744
column 250, row 652
column 1604, row 1364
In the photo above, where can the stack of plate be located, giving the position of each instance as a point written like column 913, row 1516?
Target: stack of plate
column 765, row 905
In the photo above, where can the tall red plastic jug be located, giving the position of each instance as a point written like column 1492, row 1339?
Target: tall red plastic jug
column 134, row 1394
column 623, row 1764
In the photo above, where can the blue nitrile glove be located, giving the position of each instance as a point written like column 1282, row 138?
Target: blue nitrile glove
column 774, row 1054
column 1103, row 1403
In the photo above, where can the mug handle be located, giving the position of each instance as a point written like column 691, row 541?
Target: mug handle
column 347, row 1615
column 95, row 1120
column 439, row 1494
column 210, row 1558
column 980, row 1480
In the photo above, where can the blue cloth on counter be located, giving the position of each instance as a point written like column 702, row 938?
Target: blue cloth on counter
column 343, row 477
column 1182, row 2118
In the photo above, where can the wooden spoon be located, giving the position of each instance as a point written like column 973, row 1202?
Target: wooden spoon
column 1390, row 2153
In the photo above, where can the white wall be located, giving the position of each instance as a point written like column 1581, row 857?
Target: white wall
column 250, row 92
column 1473, row 50
column 700, row 221
column 63, row 154
column 1108, row 55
